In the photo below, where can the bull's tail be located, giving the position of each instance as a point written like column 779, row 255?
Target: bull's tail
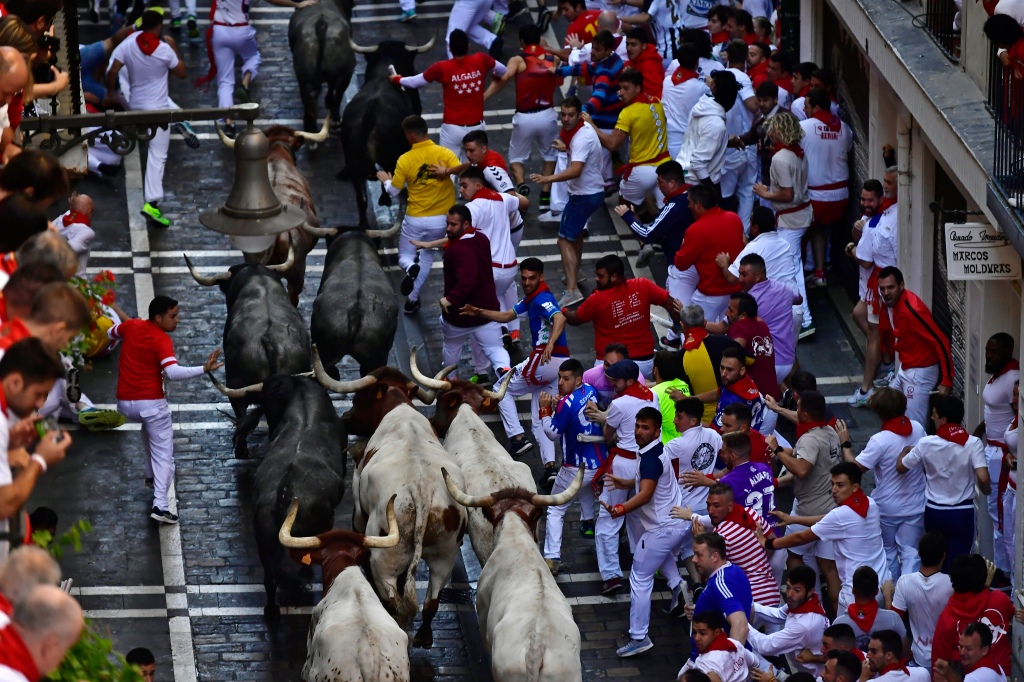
column 407, row 583
column 322, row 26
column 270, row 352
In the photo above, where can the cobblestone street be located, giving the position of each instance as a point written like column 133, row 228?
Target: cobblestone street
column 194, row 593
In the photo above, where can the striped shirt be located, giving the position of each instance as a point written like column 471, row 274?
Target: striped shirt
column 742, row 549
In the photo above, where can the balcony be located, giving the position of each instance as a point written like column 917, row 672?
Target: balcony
column 937, row 22
column 1006, row 102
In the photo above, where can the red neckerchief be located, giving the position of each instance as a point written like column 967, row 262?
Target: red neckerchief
column 749, row 38
column 740, row 517
column 637, row 390
column 487, row 193
column 759, row 72
column 673, row 194
column 831, row 121
column 75, row 217
column 719, row 38
column 858, row 502
column 795, row 148
column 1010, row 365
column 887, row 203
column 682, row 75
column 493, row 158
column 15, row 655
column 954, row 433
column 804, row 90
column 9, row 263
column 3, row 415
column 759, row 453
column 745, row 388
column 893, row 666
column 863, row 615
column 465, row 233
column 785, row 83
column 721, row 643
column 566, row 135
column 901, row 426
column 147, row 42
column 986, row 662
column 858, row 653
column 541, row 288
column 812, row 605
column 695, row 338
column 804, row 427
column 644, row 98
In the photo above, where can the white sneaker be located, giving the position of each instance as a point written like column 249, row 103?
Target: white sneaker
column 859, row 398
column 570, row 298
column 885, row 379
column 550, row 217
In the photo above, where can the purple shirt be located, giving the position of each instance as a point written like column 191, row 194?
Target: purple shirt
column 775, row 307
column 752, row 486
column 605, row 391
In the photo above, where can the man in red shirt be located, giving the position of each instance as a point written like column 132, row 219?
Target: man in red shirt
column 644, row 57
column 582, row 23
column 147, row 354
column 712, row 232
column 462, row 79
column 751, row 332
column 923, row 348
column 621, row 311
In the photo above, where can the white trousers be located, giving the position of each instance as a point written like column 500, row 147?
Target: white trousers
column 916, row 384
column 190, row 7
column 1005, row 540
column 487, row 335
column 643, row 180
column 58, row 405
column 900, row 537
column 156, row 161
column 536, row 129
column 714, row 306
column 606, row 530
column 559, row 190
column 681, row 285
column 468, row 15
column 508, row 296
column 158, row 437
column 451, row 135
column 655, row 550
column 529, row 376
column 556, row 515
column 606, row 158
column 1000, row 554
column 227, row 42
column 793, row 237
column 422, row 228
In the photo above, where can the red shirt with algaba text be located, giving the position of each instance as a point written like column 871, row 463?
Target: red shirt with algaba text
column 462, row 81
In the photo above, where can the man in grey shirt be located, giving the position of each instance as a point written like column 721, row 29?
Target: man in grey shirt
column 865, row 615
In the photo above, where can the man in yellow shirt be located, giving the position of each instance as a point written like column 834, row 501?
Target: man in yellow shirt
column 426, row 211
column 642, row 121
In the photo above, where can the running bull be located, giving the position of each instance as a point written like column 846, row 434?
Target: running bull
column 263, row 334
column 525, row 621
column 292, row 189
column 371, row 127
column 351, row 636
column 319, row 37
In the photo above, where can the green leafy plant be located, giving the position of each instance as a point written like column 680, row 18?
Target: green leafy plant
column 73, row 537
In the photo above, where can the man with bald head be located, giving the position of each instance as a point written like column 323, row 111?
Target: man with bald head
column 46, row 624
column 13, row 74
column 49, row 248
column 26, row 568
column 606, row 21
column 76, row 227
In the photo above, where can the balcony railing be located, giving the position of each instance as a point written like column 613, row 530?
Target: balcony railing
column 937, row 21
column 1006, row 97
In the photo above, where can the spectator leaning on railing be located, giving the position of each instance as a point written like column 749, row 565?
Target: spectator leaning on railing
column 1008, row 35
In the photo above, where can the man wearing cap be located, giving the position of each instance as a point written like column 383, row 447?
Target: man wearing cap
column 619, row 425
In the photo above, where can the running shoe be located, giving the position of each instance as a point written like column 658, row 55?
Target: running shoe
column 154, row 214
column 634, row 647
column 193, row 27
column 498, row 25
column 163, row 516
column 859, row 398
column 570, row 298
column 407, row 15
column 187, row 133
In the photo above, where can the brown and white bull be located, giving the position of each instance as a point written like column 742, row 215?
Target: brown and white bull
column 292, row 189
column 525, row 620
column 352, row 638
column 403, row 458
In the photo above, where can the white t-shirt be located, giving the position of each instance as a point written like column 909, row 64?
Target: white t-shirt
column 730, row 666
column 10, row 674
column 885, row 239
column 984, row 675
column 622, row 418
column 739, row 119
column 789, row 170
column 232, row 12
column 948, row 468
column 801, row 114
column 696, row 449
column 897, row 495
column 706, row 67
column 779, row 262
column 999, row 407
column 146, row 74
column 857, row 542
column 585, row 147
column 826, row 152
column 491, row 218
column 865, row 252
column 678, row 100
column 922, row 598
column 655, row 514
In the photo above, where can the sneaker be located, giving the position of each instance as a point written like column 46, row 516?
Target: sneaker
column 553, row 565
column 523, row 189
column 550, row 217
column 187, row 133
column 518, row 445
column 163, row 516
column 193, row 27
column 176, row 22
column 634, row 647
column 859, row 398
column 496, row 47
column 149, row 484
column 515, row 8
column 570, row 298
column 73, row 392
column 410, row 279
column 411, row 306
column 154, row 214
column 242, row 94
column 407, row 15
column 516, row 336
column 587, row 529
column 806, row 331
column 644, row 257
column 676, row 605
column 611, row 586
column 885, row 379
column 546, row 478
column 498, row 25
column 101, row 420
column 579, row 278
column 674, row 344
column 544, row 20
column 816, row 280
column 586, row 231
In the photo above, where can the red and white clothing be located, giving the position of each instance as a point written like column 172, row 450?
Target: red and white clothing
column 729, row 660
column 1009, row 498
column 715, row 232
column 985, row 670
column 855, row 531
column 999, row 411
column 681, row 90
column 77, row 230
column 490, row 211
column 897, row 672
column 922, row 598
column 739, row 529
column 231, row 35
column 16, row 662
column 827, row 143
column 622, row 314
column 535, row 123
column 695, row 449
column 802, row 628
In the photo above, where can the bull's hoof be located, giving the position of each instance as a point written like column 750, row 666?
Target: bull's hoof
column 424, row 638
column 335, row 127
column 242, row 452
column 271, row 612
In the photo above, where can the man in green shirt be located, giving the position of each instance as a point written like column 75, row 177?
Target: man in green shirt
column 668, row 376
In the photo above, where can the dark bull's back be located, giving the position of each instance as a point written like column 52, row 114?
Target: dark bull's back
column 318, row 36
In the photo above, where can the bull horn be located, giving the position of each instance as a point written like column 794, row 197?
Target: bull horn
column 284, row 536
column 427, row 396
column 338, row 386
column 501, row 392
column 288, row 263
column 228, row 142
column 315, row 137
column 235, row 393
column 563, row 497
column 462, row 498
column 425, row 47
column 204, row 280
column 360, row 49
column 389, row 540
column 434, row 383
column 385, row 234
column 319, row 231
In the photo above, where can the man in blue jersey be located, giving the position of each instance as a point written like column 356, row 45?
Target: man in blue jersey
column 568, row 421
column 537, row 374
column 726, row 590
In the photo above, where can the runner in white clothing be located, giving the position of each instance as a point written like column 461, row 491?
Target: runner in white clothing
column 696, row 449
column 722, row 658
column 884, row 656
column 802, row 618
column 922, row 596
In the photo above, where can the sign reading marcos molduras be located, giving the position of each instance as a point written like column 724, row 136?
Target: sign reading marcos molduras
column 979, row 251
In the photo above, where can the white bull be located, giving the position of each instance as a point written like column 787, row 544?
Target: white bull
column 525, row 620
column 352, row 638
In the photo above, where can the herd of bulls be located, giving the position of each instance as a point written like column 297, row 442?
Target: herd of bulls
column 410, row 492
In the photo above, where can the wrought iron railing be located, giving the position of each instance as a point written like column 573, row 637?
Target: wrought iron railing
column 1006, row 97
column 937, row 22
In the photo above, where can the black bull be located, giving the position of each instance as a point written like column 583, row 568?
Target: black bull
column 319, row 36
